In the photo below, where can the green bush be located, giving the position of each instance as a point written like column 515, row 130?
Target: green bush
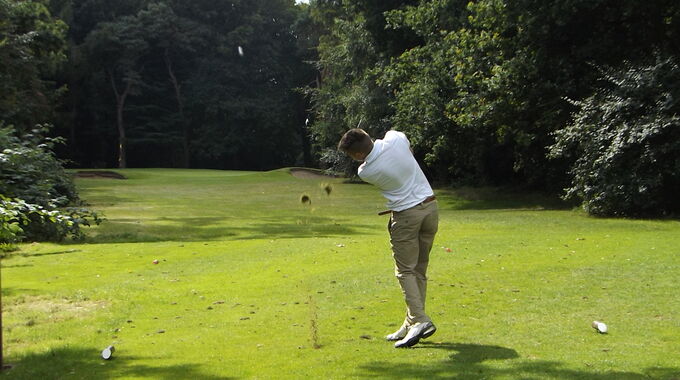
column 19, row 220
column 38, row 198
column 625, row 142
column 29, row 170
column 12, row 218
column 17, row 215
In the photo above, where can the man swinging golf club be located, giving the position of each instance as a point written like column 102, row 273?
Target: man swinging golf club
column 389, row 164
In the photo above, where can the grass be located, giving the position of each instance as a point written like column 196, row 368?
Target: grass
column 251, row 283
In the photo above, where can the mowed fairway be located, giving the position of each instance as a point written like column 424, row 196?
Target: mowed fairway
column 251, row 283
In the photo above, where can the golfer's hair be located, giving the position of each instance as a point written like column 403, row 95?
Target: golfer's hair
column 356, row 140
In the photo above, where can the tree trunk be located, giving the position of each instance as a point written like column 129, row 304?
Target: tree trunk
column 186, row 133
column 304, row 130
column 120, row 106
column 122, row 139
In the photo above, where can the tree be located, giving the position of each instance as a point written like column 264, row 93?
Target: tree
column 240, row 95
column 173, row 40
column 351, row 53
column 115, row 50
column 200, row 84
column 32, row 47
column 306, row 32
column 87, row 116
column 432, row 82
column 625, row 142
column 483, row 85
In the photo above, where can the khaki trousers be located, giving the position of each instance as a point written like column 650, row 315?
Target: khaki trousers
column 412, row 233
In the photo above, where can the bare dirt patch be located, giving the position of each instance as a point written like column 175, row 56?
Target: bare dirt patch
column 310, row 173
column 99, row 174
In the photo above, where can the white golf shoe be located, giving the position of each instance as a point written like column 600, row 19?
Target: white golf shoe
column 429, row 331
column 415, row 333
column 399, row 334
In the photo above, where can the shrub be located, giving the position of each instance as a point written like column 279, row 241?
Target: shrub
column 625, row 142
column 29, row 170
column 38, row 199
column 12, row 218
column 19, row 219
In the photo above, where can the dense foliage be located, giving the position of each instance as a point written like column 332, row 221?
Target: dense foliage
column 32, row 47
column 625, row 140
column 30, row 171
column 14, row 214
column 187, row 84
column 39, row 200
column 22, row 220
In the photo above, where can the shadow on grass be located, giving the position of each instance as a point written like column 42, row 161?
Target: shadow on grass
column 221, row 228
column 16, row 265
column 9, row 292
column 472, row 353
column 12, row 255
column 85, row 363
column 467, row 361
column 465, row 198
column 23, row 254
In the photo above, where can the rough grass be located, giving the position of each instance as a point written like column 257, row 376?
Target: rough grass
column 252, row 283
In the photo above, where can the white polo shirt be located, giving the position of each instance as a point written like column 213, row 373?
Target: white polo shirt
column 392, row 168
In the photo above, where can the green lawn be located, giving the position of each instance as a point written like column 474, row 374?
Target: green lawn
column 251, row 283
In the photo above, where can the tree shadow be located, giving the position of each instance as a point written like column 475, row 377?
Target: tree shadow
column 467, row 361
column 85, row 363
column 16, row 265
column 24, row 254
column 466, row 198
column 12, row 255
column 9, row 292
column 223, row 228
column 294, row 227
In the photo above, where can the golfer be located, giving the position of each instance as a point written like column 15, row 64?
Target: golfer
column 389, row 164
